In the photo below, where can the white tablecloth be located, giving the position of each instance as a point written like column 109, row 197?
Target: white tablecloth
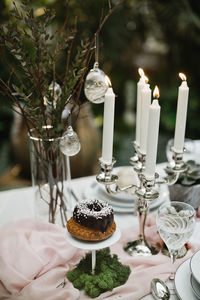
column 16, row 204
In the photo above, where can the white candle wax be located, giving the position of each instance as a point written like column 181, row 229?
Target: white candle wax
column 152, row 140
column 181, row 116
column 141, row 83
column 145, row 104
column 108, row 126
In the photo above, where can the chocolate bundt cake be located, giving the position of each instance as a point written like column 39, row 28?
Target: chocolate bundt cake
column 92, row 220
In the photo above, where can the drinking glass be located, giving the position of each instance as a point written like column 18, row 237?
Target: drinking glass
column 175, row 223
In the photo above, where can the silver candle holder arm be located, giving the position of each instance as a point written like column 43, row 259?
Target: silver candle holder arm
column 138, row 160
column 109, row 179
column 175, row 169
column 145, row 192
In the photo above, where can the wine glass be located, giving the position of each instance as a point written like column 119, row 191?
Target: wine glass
column 175, row 223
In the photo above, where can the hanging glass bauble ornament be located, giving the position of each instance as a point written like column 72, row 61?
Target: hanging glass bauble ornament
column 69, row 143
column 96, row 85
column 66, row 111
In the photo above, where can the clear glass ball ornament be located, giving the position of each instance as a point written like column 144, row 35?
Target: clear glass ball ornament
column 66, row 111
column 96, row 85
column 69, row 143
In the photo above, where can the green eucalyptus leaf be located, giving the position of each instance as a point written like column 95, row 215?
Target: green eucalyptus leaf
column 191, row 176
column 187, row 181
column 38, row 52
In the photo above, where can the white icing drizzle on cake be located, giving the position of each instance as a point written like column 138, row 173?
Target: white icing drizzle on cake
column 83, row 208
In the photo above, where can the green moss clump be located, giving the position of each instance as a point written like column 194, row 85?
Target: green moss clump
column 109, row 273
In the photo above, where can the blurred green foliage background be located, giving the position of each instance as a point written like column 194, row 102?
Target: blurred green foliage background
column 162, row 37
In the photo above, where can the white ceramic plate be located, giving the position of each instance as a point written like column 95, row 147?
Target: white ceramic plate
column 94, row 245
column 182, row 282
column 95, row 189
column 127, row 174
column 195, row 266
column 195, row 286
column 121, row 206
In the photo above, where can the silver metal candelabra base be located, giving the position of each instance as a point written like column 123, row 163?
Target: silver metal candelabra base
column 145, row 192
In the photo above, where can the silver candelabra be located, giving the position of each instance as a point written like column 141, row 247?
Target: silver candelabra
column 145, row 192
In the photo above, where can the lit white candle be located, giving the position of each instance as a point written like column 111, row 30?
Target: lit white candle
column 181, row 115
column 108, row 126
column 152, row 140
column 141, row 83
column 145, row 104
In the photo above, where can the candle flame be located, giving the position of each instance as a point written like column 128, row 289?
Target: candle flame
column 182, row 76
column 156, row 92
column 107, row 80
column 146, row 78
column 141, row 72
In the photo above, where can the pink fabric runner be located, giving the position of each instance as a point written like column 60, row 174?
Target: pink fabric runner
column 35, row 256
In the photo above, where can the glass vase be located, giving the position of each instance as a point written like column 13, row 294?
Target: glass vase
column 49, row 177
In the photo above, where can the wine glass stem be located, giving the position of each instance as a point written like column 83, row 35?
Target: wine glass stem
column 173, row 255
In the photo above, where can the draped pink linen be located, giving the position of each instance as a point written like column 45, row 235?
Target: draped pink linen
column 35, row 256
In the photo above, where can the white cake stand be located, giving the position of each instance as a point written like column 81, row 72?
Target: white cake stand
column 93, row 246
